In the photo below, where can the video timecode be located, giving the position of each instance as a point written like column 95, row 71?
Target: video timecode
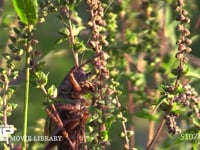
column 190, row 136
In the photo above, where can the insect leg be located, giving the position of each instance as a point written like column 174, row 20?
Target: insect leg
column 75, row 84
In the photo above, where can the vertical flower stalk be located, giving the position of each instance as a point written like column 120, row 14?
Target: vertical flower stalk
column 184, row 42
column 172, row 91
column 97, row 41
column 5, row 78
column 177, row 92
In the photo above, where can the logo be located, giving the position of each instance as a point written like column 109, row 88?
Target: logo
column 6, row 131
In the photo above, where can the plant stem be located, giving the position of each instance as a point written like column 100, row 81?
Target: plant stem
column 130, row 98
column 150, row 145
column 72, row 41
column 4, row 97
column 27, row 82
column 127, row 145
column 150, row 132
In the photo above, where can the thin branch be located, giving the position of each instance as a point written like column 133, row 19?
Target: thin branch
column 130, row 97
column 150, row 145
column 4, row 98
column 72, row 41
column 127, row 145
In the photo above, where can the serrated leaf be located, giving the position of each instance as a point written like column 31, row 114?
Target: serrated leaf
column 27, row 10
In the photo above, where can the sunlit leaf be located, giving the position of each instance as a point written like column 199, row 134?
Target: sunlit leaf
column 27, row 10
column 52, row 91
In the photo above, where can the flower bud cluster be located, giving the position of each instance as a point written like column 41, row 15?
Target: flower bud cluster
column 171, row 124
column 190, row 99
column 98, row 39
column 184, row 42
column 96, row 42
column 97, row 24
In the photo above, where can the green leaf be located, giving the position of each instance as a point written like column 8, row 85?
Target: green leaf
column 144, row 113
column 40, row 79
column 104, row 135
column 177, row 108
column 64, row 31
column 10, row 93
column 7, row 56
column 27, row 10
column 5, row 147
column 52, row 91
column 193, row 74
column 60, row 40
column 76, row 30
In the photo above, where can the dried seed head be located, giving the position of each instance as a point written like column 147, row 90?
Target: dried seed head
column 181, row 47
column 171, row 124
column 92, row 44
column 105, row 42
column 180, row 3
column 179, row 56
column 41, row 20
column 178, row 8
column 186, row 32
column 180, row 18
column 186, row 20
column 105, row 55
column 178, row 42
column 90, row 24
column 37, row 53
column 185, row 59
column 180, row 27
column 64, row 11
column 184, row 12
column 34, row 42
column 188, row 41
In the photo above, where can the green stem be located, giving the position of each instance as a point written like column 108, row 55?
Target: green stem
column 72, row 41
column 27, row 82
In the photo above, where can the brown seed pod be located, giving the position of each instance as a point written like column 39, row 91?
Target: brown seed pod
column 181, row 47
column 178, row 42
column 184, row 12
column 186, row 32
column 188, row 49
column 186, row 20
column 180, row 3
column 180, row 18
column 180, row 27
column 188, row 41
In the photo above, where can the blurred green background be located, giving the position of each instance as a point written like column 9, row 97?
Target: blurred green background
column 59, row 60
